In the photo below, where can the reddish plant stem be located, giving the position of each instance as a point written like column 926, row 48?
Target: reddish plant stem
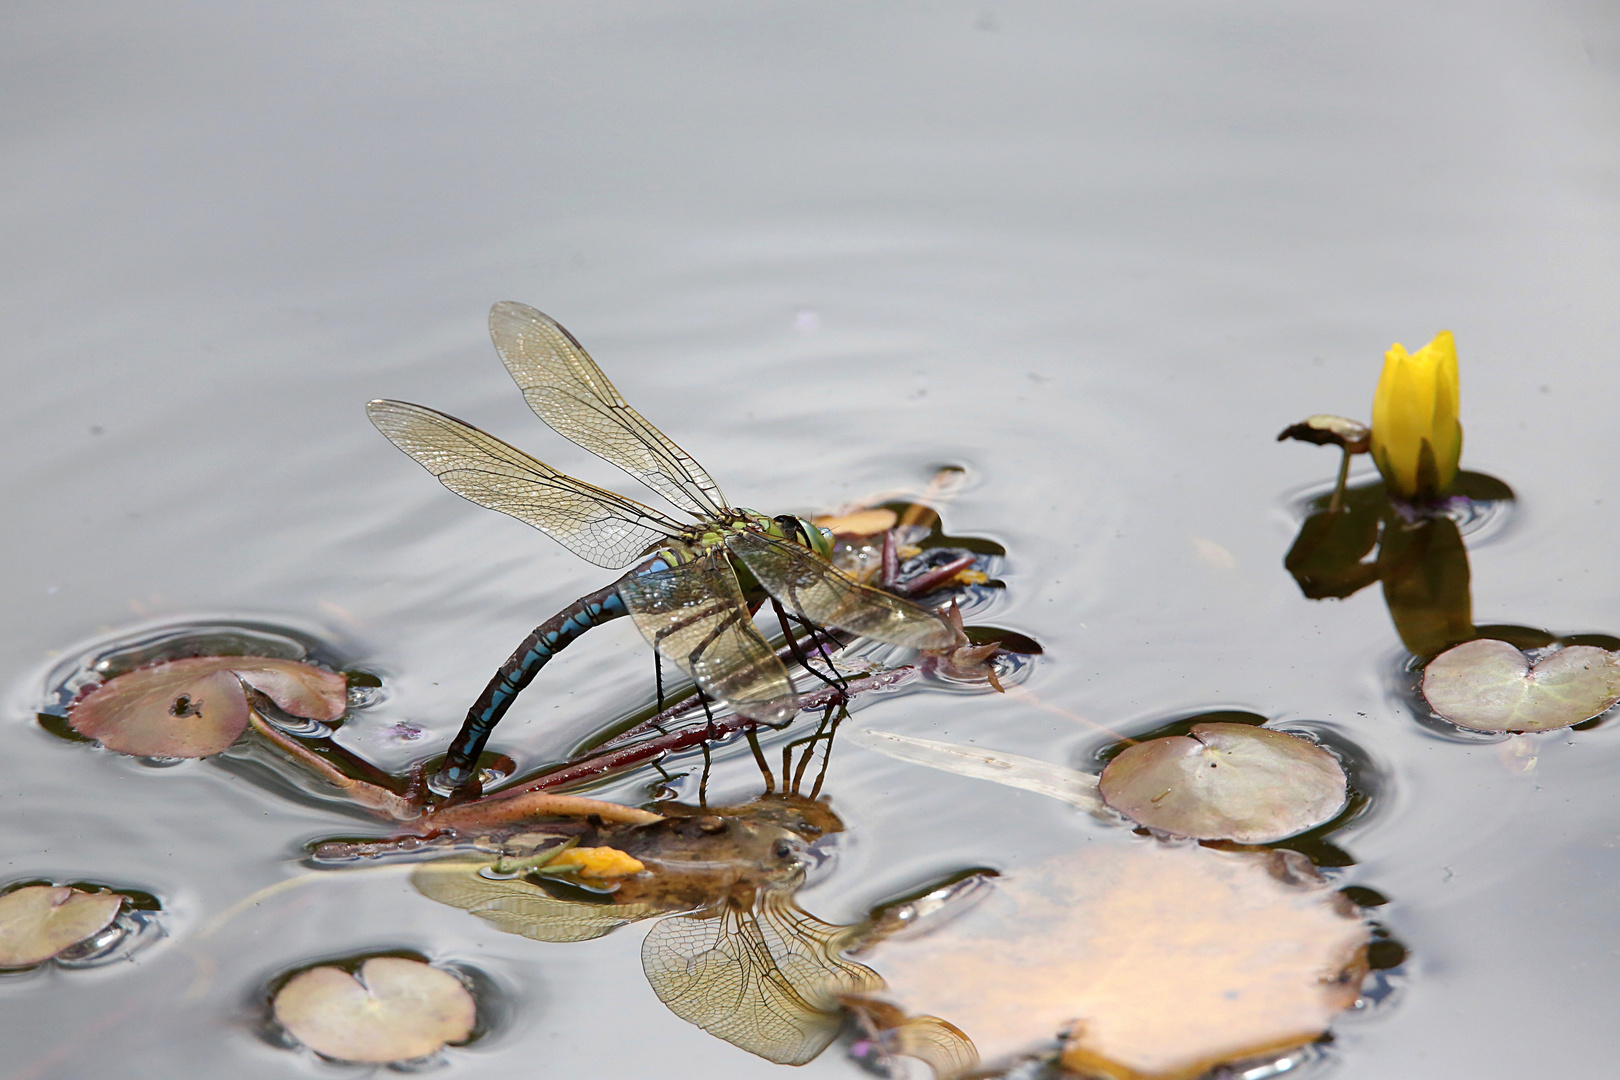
column 612, row 760
column 923, row 584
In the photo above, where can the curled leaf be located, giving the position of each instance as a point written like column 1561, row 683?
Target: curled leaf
column 39, row 921
column 196, row 707
column 1488, row 685
column 1226, row 781
column 392, row 1009
column 1324, row 429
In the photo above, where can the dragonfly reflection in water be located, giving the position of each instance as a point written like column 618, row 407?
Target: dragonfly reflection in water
column 733, row 952
column 694, row 587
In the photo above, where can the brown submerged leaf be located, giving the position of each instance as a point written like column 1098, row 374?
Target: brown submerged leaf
column 196, row 707
column 39, row 921
column 1226, row 782
column 1488, row 685
column 394, row 1010
column 859, row 522
column 1155, row 962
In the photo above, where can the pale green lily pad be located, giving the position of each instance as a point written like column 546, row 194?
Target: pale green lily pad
column 39, row 921
column 393, row 1009
column 1226, row 782
column 1488, row 685
column 196, row 707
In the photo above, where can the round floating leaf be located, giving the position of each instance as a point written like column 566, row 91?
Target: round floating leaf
column 393, row 1010
column 40, row 921
column 196, row 706
column 1488, row 685
column 1226, row 782
column 1159, row 961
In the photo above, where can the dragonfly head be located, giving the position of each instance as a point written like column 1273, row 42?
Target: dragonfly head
column 808, row 533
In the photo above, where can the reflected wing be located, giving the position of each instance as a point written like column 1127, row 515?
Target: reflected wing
column 563, row 385
column 606, row 529
column 824, row 595
column 694, row 615
column 942, row 1045
column 518, row 906
column 767, row 980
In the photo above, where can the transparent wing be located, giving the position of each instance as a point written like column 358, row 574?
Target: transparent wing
column 563, row 385
column 600, row 526
column 823, row 594
column 765, row 978
column 939, row 1043
column 521, row 907
column 695, row 616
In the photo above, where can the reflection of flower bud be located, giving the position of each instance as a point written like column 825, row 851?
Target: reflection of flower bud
column 1416, row 439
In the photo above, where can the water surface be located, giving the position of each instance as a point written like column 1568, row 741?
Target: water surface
column 1098, row 256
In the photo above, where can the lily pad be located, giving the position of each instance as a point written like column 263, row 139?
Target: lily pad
column 1226, row 782
column 1488, row 685
column 39, row 921
column 196, row 707
column 392, row 1009
column 1159, row 961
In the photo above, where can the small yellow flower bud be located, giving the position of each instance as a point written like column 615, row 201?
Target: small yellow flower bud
column 1416, row 439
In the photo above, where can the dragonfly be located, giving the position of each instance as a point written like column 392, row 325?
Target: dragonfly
column 693, row 586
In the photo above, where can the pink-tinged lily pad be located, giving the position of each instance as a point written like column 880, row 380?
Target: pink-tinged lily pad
column 1152, row 961
column 39, row 921
column 1488, row 685
column 393, row 1009
column 1226, row 781
column 196, row 706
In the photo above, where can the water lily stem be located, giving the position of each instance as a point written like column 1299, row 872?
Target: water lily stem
column 1338, row 488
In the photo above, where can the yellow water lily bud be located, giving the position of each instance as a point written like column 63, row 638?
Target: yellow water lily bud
column 1416, row 439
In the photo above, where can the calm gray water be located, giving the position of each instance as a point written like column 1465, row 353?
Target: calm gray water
column 1098, row 254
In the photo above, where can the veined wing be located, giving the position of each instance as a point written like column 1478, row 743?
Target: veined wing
column 566, row 389
column 694, row 615
column 766, row 979
column 823, row 594
column 600, row 526
column 518, row 906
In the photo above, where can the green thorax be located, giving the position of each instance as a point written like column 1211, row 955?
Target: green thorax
column 703, row 539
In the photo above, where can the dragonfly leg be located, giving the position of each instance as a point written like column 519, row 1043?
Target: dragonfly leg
column 827, row 755
column 798, row 653
column 759, row 759
column 547, row 640
column 809, row 744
